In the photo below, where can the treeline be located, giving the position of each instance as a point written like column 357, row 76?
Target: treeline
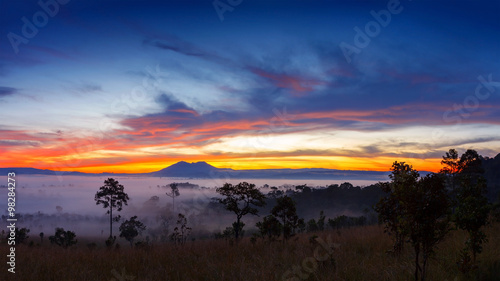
column 336, row 199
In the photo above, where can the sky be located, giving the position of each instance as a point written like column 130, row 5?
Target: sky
column 135, row 86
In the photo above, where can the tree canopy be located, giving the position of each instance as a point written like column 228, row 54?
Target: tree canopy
column 241, row 199
column 130, row 229
column 112, row 196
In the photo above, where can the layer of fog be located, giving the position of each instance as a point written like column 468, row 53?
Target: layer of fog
column 46, row 202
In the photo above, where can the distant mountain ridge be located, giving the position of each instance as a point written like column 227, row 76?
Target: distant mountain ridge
column 204, row 170
column 34, row 171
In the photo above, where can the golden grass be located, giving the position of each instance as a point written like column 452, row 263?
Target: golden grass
column 361, row 256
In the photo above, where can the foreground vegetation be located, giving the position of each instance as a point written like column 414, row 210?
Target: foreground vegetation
column 359, row 253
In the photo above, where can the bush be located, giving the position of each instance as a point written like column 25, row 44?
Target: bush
column 63, row 238
column 21, row 235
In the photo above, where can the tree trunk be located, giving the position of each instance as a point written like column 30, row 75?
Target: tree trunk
column 417, row 254
column 111, row 219
column 473, row 256
column 237, row 229
column 424, row 266
column 284, row 228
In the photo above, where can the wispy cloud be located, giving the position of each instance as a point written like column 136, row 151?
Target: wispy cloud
column 84, row 87
column 4, row 142
column 7, row 91
column 298, row 85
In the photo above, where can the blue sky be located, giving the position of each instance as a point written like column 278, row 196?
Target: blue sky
column 138, row 85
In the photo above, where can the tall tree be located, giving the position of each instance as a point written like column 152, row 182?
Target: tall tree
column 240, row 199
column 427, row 218
column 451, row 168
column 470, row 206
column 174, row 192
column 111, row 196
column 416, row 210
column 389, row 208
column 471, row 215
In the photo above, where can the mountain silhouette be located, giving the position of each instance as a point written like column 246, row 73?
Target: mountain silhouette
column 184, row 169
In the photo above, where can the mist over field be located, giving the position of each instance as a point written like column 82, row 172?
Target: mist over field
column 46, row 202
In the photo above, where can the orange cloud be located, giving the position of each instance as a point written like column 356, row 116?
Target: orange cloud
column 183, row 110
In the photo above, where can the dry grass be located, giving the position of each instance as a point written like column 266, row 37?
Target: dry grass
column 361, row 256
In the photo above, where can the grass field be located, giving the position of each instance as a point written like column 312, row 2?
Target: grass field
column 358, row 254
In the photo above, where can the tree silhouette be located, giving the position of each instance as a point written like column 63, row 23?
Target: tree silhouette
column 21, row 235
column 389, row 208
column 321, row 221
column 269, row 227
column 415, row 210
column 470, row 165
column 285, row 210
column 130, row 229
column 181, row 231
column 111, row 196
column 451, row 168
column 495, row 209
column 427, row 221
column 174, row 192
column 63, row 238
column 312, row 225
column 240, row 199
column 472, row 208
column 470, row 205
